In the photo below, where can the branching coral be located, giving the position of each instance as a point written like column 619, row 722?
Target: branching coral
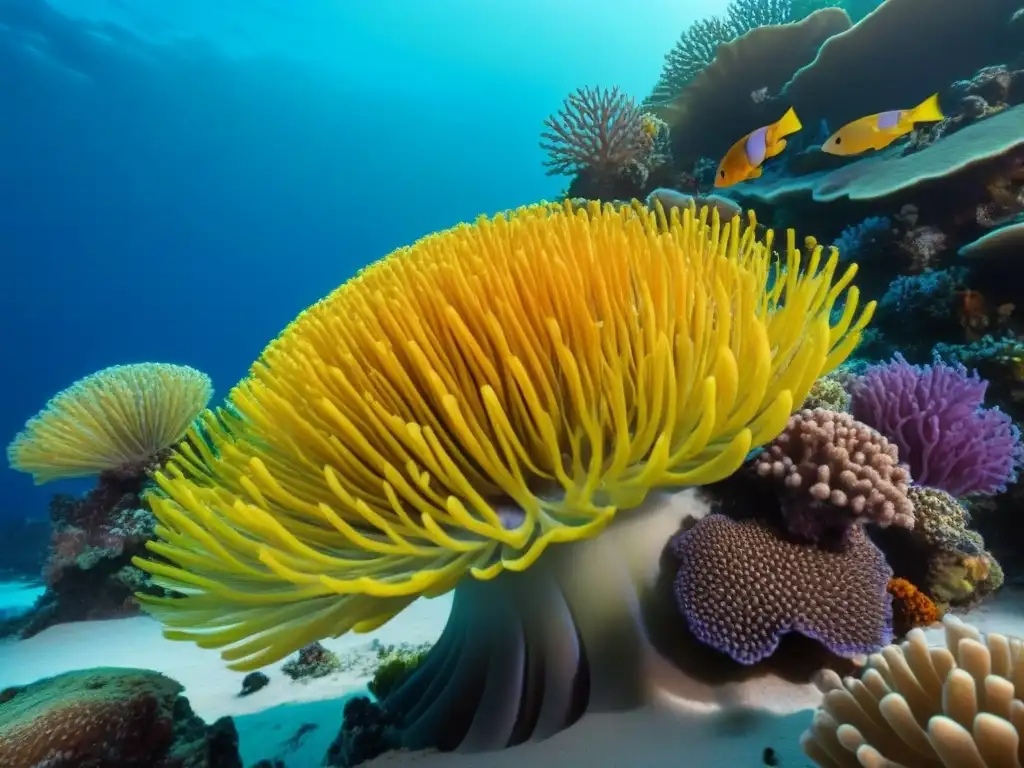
column 921, row 707
column 741, row 587
column 596, row 129
column 115, row 419
column 871, row 238
column 934, row 414
column 694, row 50
column 836, row 473
column 534, row 383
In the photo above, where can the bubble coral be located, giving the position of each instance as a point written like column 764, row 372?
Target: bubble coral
column 115, row 419
column 934, row 414
column 836, row 472
column 742, row 587
column 461, row 408
column 920, row 707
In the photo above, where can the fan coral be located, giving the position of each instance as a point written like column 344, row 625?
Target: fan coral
column 910, row 607
column 597, row 129
column 464, row 404
column 109, row 717
column 117, row 419
column 934, row 414
column 837, row 473
column 921, row 707
column 741, row 587
column 695, row 49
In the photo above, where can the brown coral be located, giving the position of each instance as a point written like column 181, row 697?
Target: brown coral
column 596, row 129
column 106, row 717
column 910, row 607
column 940, row 520
column 741, row 587
column 837, row 472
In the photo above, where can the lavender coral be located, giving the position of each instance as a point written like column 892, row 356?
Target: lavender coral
column 741, row 587
column 934, row 414
column 836, row 473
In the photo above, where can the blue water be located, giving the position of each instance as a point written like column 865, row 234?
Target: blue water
column 179, row 178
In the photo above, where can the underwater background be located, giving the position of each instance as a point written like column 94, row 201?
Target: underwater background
column 474, row 384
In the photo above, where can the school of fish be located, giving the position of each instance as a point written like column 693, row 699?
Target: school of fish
column 745, row 159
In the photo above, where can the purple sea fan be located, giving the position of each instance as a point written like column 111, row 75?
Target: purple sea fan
column 934, row 414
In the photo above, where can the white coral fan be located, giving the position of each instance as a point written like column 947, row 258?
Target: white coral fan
column 919, row 707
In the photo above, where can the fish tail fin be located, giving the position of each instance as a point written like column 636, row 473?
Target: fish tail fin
column 776, row 148
column 928, row 111
column 788, row 123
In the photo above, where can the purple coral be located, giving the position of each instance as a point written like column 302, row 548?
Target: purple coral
column 934, row 414
column 741, row 587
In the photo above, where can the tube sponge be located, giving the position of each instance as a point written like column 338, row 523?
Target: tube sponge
column 934, row 414
column 469, row 401
column 119, row 417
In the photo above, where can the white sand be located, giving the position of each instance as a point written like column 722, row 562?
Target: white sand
column 270, row 720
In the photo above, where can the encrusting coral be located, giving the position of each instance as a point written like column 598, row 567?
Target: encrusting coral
column 836, row 473
column 828, row 393
column 742, row 586
column 118, row 419
column 920, row 707
column 910, row 607
column 460, row 412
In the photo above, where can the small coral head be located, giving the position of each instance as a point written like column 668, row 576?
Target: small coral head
column 468, row 402
column 119, row 419
column 935, row 414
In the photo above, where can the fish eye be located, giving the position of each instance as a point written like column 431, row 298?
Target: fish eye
column 839, row 139
column 722, row 173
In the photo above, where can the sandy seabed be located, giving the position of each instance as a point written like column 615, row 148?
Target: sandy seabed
column 296, row 721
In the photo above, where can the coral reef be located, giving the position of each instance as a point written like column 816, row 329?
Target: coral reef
column 910, row 607
column 916, row 706
column 836, row 473
column 827, row 393
column 934, row 415
column 313, row 661
column 741, row 586
column 116, row 718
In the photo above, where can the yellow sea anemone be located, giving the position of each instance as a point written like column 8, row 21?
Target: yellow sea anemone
column 466, row 402
column 121, row 416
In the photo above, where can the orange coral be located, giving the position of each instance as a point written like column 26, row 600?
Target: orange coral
column 910, row 607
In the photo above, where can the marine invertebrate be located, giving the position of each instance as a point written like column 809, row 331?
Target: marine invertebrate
column 836, row 473
column 961, row 579
column 868, row 239
column 596, row 129
column 109, row 717
column 920, row 707
column 745, row 15
column 313, row 660
column 910, row 607
column 941, row 520
column 458, row 414
column 742, row 586
column 827, row 393
column 694, row 50
column 935, row 415
column 921, row 299
column 114, row 420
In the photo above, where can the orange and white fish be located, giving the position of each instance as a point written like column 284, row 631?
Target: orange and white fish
column 743, row 160
column 881, row 130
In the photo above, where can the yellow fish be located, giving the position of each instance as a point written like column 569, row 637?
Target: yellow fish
column 743, row 160
column 881, row 130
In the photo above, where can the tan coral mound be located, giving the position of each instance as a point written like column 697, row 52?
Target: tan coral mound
column 921, row 707
column 838, row 460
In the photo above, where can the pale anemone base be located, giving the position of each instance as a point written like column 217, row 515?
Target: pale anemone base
column 589, row 628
